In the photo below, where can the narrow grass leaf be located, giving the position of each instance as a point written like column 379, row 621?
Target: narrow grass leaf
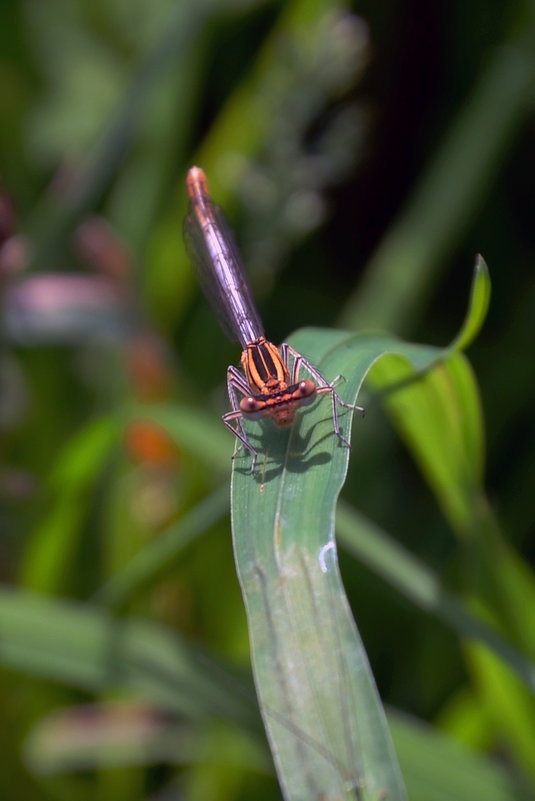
column 438, row 768
column 92, row 649
column 160, row 555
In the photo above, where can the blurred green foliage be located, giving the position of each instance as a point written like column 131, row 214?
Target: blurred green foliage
column 364, row 153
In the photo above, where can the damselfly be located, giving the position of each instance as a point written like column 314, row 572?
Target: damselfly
column 270, row 383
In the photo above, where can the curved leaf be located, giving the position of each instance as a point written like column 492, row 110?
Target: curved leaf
column 319, row 702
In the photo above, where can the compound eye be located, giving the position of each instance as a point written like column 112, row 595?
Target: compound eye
column 248, row 404
column 251, row 407
column 307, row 391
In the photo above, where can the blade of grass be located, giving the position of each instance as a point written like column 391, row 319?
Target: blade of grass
column 73, row 476
column 323, row 716
column 310, row 668
column 439, row 415
column 477, row 307
column 511, row 709
column 410, row 257
column 162, row 553
column 428, row 755
column 92, row 649
column 417, row 582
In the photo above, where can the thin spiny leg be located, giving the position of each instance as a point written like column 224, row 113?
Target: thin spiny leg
column 227, row 419
column 299, row 360
column 296, row 364
column 237, row 383
column 324, row 385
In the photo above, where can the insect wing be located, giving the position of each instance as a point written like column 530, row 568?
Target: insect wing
column 214, row 254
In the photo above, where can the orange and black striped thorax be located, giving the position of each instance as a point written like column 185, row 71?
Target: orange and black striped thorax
column 264, row 367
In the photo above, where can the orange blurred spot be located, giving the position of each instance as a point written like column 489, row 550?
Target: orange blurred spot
column 149, row 444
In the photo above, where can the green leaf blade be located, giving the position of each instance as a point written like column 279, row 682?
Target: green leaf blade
column 318, row 698
column 319, row 701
